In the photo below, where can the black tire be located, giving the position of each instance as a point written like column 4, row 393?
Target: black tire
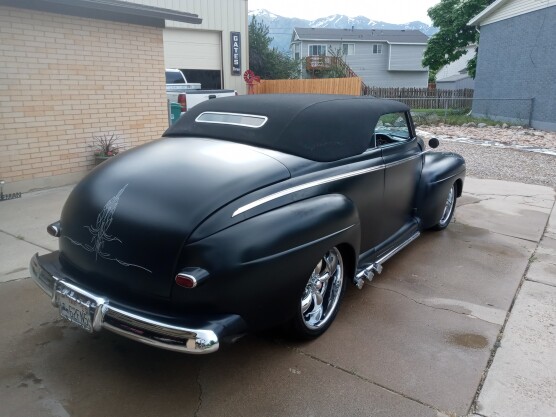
column 449, row 210
column 320, row 300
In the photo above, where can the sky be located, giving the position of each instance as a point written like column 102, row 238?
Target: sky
column 391, row 11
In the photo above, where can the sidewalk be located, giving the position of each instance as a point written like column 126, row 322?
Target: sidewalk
column 43, row 360
column 522, row 378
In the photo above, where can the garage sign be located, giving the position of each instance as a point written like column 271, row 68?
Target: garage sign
column 235, row 39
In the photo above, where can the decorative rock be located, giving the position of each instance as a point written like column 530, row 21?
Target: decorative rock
column 471, row 124
column 504, row 126
column 516, row 127
column 497, row 125
column 481, row 125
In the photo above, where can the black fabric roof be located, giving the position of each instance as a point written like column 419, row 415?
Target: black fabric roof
column 313, row 126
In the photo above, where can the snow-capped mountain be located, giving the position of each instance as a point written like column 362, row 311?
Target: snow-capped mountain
column 281, row 27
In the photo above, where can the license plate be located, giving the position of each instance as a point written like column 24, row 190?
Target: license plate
column 75, row 308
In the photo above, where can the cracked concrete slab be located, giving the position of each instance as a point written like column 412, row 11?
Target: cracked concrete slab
column 431, row 355
column 522, row 378
column 28, row 217
column 50, row 368
column 543, row 263
column 13, row 250
column 464, row 269
column 275, row 381
column 514, row 210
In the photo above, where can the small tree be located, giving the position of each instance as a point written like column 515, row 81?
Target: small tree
column 454, row 36
column 269, row 63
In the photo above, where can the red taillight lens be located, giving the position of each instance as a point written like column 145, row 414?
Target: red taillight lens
column 183, row 101
column 186, row 281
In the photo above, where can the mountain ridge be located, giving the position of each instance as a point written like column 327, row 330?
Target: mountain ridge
column 281, row 28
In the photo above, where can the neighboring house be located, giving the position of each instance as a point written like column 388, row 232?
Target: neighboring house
column 516, row 65
column 456, row 82
column 71, row 69
column 381, row 58
column 454, row 76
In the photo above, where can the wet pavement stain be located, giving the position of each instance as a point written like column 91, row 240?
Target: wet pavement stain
column 468, row 340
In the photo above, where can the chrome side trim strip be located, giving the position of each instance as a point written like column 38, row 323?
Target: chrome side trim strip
column 403, row 161
column 311, row 184
column 301, row 187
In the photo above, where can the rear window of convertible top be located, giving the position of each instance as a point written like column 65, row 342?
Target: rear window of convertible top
column 246, row 120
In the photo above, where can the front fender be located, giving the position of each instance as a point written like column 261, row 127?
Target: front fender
column 258, row 268
column 440, row 171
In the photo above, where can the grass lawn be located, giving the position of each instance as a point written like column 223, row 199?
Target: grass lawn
column 449, row 117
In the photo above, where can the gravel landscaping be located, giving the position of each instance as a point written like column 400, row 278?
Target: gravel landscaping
column 511, row 154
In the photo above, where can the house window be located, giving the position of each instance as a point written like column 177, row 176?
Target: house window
column 348, row 48
column 296, row 51
column 317, row 50
column 377, row 48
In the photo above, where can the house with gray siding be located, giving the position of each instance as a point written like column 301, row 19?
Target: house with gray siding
column 381, row 58
column 454, row 75
column 516, row 64
column 456, row 82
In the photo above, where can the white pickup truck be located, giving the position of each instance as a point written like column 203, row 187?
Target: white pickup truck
column 178, row 90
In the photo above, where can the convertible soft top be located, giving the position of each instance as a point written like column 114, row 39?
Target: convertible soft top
column 313, row 126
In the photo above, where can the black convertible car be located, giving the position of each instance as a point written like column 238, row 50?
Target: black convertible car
column 250, row 212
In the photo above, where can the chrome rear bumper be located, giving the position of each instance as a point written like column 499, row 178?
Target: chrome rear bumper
column 119, row 320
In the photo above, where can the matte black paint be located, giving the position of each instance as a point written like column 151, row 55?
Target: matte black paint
column 176, row 197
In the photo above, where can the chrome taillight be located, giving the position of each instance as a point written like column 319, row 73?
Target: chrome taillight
column 191, row 277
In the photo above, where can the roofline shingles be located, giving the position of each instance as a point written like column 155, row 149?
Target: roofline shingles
column 376, row 35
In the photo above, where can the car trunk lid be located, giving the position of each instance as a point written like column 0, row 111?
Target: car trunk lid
column 124, row 225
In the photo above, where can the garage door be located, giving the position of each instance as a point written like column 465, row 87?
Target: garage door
column 192, row 49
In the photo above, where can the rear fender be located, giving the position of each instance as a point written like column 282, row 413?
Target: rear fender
column 269, row 258
column 440, row 171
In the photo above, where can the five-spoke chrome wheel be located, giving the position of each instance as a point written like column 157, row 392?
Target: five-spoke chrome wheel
column 449, row 208
column 321, row 296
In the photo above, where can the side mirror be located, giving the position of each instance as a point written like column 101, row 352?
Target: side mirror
column 433, row 143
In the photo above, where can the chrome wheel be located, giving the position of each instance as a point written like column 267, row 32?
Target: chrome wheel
column 449, row 208
column 319, row 302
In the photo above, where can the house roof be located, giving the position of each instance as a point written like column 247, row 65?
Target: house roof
column 376, row 35
column 452, row 78
column 107, row 9
column 517, row 7
column 476, row 21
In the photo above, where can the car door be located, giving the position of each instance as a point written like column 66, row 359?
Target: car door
column 368, row 196
column 402, row 156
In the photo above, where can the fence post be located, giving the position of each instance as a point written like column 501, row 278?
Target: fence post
column 531, row 107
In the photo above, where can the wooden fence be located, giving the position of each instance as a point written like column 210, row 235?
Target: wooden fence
column 425, row 98
column 350, row 86
column 416, row 98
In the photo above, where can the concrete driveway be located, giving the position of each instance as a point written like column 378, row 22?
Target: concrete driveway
column 419, row 341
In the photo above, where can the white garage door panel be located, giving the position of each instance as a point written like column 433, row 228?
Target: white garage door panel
column 192, row 49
